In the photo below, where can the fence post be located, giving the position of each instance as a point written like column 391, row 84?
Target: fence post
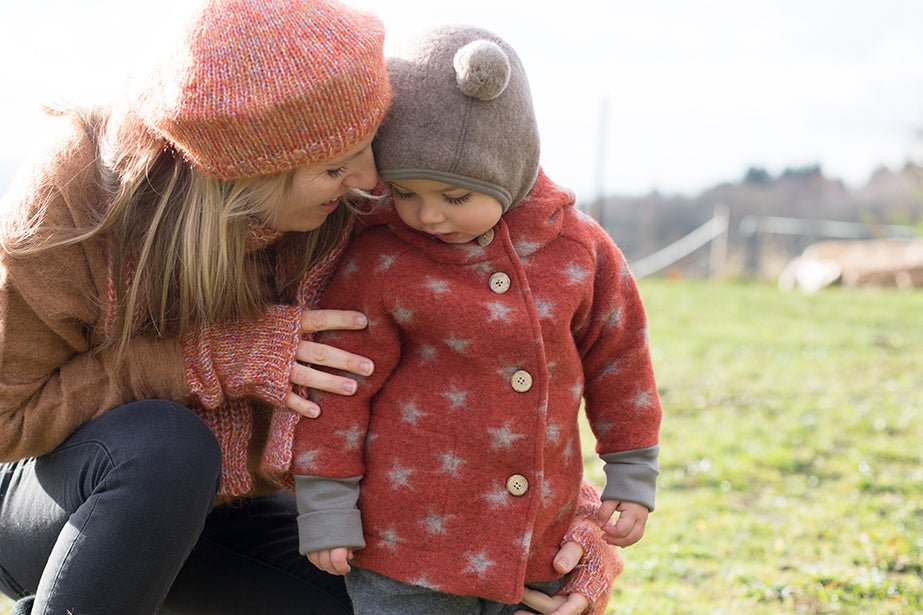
column 717, row 261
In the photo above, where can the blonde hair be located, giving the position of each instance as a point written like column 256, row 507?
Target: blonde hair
column 177, row 238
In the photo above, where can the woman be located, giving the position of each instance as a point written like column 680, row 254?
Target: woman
column 159, row 266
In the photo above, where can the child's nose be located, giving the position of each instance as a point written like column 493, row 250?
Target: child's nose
column 430, row 214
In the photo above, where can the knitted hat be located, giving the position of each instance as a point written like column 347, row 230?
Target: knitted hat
column 462, row 114
column 263, row 86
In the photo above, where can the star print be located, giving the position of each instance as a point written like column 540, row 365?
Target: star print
column 497, row 497
column 386, row 261
column 402, row 315
column 613, row 318
column 577, row 390
column 427, row 353
column 307, row 461
column 435, row 524
column 350, row 268
column 473, row 250
column 456, row 398
column 575, row 274
column 410, row 413
column 504, row 438
column 506, row 371
column 526, row 541
column 568, row 451
column 351, row 437
column 544, row 309
column 553, row 433
column 438, row 287
column 525, row 247
column 611, row 369
column 602, row 429
column 456, row 344
column 424, row 582
column 369, row 438
column 625, row 271
column 451, row 463
column 498, row 311
column 399, row 476
column 547, row 492
column 484, row 268
column 642, row 400
column 478, row 563
column 390, row 538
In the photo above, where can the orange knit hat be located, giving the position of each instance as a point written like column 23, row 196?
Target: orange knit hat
column 263, row 86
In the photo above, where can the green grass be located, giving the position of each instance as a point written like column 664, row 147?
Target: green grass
column 791, row 466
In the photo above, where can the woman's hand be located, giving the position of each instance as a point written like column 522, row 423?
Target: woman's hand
column 574, row 604
column 312, row 353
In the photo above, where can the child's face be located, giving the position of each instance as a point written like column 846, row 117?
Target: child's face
column 449, row 213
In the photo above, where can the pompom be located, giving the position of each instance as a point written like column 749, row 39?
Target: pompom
column 482, row 69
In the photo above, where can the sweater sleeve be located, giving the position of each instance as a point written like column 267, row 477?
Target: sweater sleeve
column 622, row 403
column 251, row 359
column 52, row 379
column 332, row 444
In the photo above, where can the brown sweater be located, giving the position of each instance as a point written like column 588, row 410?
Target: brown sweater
column 51, row 308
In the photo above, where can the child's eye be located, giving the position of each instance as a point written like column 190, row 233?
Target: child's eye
column 457, row 200
column 334, row 173
column 400, row 195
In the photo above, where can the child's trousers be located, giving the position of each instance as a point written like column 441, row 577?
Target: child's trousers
column 375, row 594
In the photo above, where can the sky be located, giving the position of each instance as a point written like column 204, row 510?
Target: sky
column 666, row 95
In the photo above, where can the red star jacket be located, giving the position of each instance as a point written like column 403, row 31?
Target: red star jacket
column 472, row 465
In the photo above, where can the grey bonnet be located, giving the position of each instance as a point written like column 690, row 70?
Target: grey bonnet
column 461, row 114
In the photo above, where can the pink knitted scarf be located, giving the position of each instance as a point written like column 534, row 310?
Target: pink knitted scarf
column 232, row 421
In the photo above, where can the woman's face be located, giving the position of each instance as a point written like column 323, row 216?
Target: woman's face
column 316, row 190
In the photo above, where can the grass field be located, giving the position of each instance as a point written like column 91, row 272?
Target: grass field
column 791, row 466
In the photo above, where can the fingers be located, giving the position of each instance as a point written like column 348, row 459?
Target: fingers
column 328, row 356
column 541, row 602
column 568, row 556
column 574, row 604
column 332, row 561
column 625, row 532
column 302, row 406
column 313, row 321
column 311, row 378
column 630, row 525
column 606, row 510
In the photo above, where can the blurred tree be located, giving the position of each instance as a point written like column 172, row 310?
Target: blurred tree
column 757, row 175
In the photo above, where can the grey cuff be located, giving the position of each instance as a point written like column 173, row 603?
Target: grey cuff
column 632, row 475
column 328, row 516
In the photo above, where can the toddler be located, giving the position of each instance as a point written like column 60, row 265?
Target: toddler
column 494, row 307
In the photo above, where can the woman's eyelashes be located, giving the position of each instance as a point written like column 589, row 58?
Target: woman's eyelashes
column 337, row 172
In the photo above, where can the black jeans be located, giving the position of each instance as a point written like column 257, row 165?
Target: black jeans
column 119, row 520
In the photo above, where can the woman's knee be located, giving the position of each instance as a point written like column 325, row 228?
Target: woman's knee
column 165, row 443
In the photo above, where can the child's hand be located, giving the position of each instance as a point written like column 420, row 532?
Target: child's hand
column 332, row 561
column 629, row 528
